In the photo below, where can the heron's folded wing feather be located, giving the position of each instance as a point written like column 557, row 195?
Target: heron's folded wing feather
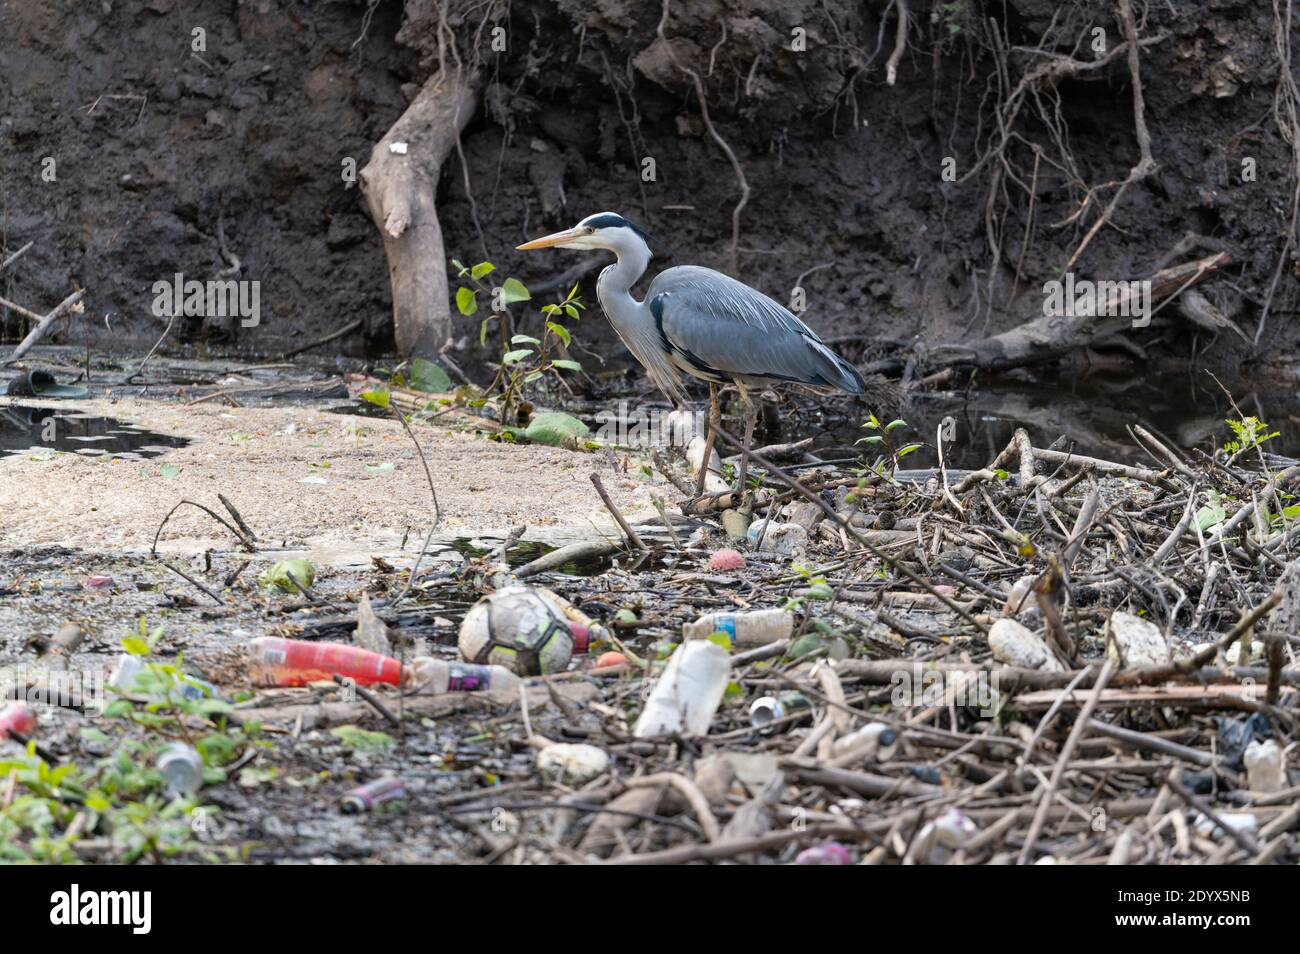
column 717, row 323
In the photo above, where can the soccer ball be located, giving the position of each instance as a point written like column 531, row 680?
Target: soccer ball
column 517, row 628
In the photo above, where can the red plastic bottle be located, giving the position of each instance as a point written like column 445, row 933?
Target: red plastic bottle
column 295, row 662
column 17, row 717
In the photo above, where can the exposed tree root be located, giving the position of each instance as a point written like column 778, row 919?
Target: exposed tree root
column 1052, row 336
column 733, row 249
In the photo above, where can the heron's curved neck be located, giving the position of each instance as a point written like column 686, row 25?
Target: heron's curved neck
column 614, row 286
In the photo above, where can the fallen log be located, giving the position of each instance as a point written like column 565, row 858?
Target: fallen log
column 400, row 182
column 1055, row 335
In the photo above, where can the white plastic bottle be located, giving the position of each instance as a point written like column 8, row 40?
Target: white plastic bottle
column 182, row 769
column 1265, row 766
column 875, row 741
column 688, row 691
column 757, row 628
column 438, row 676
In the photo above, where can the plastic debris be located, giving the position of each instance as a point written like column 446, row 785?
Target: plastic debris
column 129, row 668
column 876, row 742
column 757, row 628
column 294, row 662
column 783, row 539
column 436, row 676
column 827, row 853
column 938, row 840
column 713, row 482
column 574, row 763
column 182, row 768
column 688, row 692
column 366, row 797
column 1265, row 766
column 1241, row 822
column 1235, row 735
column 768, row 709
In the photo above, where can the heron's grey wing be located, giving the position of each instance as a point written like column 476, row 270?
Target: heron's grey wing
column 721, row 328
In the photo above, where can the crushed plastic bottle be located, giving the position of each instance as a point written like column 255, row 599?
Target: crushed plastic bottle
column 757, row 628
column 688, row 692
column 437, row 676
column 294, row 662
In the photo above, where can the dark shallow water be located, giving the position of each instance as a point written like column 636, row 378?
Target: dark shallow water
column 35, row 429
column 1094, row 416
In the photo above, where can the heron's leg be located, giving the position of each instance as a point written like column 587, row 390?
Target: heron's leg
column 750, row 414
column 715, row 420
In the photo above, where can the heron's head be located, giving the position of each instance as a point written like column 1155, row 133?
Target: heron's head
column 607, row 230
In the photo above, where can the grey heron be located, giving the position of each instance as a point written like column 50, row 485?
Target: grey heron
column 704, row 323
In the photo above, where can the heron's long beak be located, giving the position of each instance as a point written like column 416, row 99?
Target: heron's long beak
column 549, row 241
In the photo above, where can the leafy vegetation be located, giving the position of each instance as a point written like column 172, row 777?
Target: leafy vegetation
column 887, row 463
column 117, row 801
column 525, row 359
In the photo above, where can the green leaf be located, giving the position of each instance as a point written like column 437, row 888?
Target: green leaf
column 719, row 638
column 524, row 339
column 909, row 449
column 377, row 398
column 135, row 646
column 118, row 707
column 560, row 331
column 466, row 301
column 820, row 591
column 1212, row 513
column 427, row 376
column 566, row 364
column 805, row 644
column 873, row 439
column 514, row 290
column 362, row 740
column 897, row 422
column 514, row 357
column 481, row 269
column 556, row 429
